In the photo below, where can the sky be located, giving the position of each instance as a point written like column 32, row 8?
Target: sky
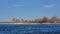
column 28, row 9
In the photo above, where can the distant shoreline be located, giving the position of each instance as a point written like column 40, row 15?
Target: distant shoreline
column 29, row 23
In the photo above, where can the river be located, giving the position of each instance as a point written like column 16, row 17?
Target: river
column 29, row 28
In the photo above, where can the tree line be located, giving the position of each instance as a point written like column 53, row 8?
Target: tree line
column 44, row 19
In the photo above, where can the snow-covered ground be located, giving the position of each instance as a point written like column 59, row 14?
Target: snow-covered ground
column 29, row 23
column 19, row 23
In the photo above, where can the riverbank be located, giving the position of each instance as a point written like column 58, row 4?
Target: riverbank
column 29, row 23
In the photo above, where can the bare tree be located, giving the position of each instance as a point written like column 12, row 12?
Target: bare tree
column 13, row 20
column 54, row 19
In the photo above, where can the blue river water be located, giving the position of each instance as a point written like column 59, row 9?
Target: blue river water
column 29, row 28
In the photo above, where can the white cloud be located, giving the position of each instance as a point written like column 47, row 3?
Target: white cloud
column 18, row 5
column 49, row 5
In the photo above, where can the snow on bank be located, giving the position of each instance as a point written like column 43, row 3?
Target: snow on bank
column 19, row 23
column 29, row 23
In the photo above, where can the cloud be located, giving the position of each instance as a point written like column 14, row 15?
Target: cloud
column 15, row 5
column 49, row 5
column 18, row 5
